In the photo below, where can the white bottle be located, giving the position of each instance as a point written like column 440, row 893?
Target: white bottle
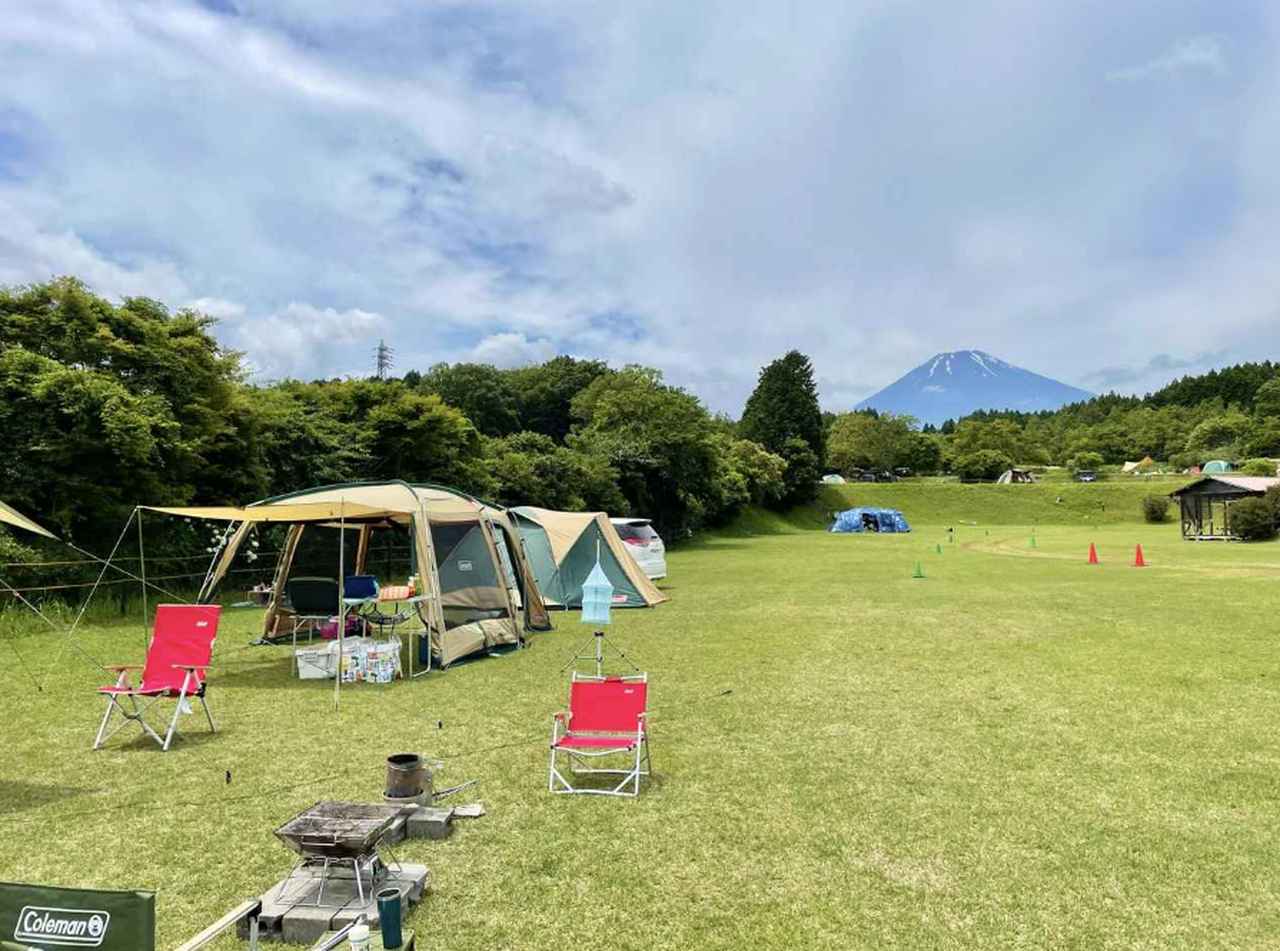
column 359, row 937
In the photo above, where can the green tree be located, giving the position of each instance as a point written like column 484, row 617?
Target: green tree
column 1220, row 432
column 1263, row 438
column 784, row 405
column 782, row 408
column 861, row 440
column 1266, row 402
column 531, row 469
column 484, row 394
column 981, row 464
column 763, row 473
column 661, row 441
column 111, row 405
column 1253, row 519
column 1086, row 460
column 545, row 392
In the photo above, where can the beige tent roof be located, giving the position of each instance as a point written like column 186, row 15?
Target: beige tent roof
column 392, row 497
column 11, row 516
column 565, row 528
column 284, row 512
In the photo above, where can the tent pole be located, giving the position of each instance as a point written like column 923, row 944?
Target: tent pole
column 142, row 572
column 342, row 619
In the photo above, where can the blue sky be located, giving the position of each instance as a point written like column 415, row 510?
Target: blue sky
column 1087, row 189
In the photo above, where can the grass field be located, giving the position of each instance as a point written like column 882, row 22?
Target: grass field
column 1020, row 751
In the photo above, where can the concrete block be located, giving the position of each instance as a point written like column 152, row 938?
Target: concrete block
column 303, row 924
column 429, row 822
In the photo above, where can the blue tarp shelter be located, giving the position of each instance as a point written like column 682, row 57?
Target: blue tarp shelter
column 870, row 520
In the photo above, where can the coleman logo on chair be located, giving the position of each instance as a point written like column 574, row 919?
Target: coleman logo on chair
column 63, row 927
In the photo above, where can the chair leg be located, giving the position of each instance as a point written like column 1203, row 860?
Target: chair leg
column 106, row 718
column 208, row 715
column 173, row 723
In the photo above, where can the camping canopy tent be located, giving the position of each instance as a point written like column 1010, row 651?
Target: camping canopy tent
column 10, row 516
column 1216, row 466
column 561, row 548
column 466, row 554
column 870, row 520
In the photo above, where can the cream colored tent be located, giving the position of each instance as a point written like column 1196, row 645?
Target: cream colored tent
column 467, row 556
column 562, row 548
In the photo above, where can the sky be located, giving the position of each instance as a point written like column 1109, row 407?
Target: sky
column 1083, row 188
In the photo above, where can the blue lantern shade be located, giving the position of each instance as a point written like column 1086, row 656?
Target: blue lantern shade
column 597, row 597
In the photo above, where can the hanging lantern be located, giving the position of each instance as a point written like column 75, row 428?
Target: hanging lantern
column 597, row 597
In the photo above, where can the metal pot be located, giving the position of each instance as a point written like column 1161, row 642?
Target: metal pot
column 406, row 774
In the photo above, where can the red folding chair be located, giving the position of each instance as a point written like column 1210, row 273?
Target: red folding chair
column 177, row 660
column 606, row 718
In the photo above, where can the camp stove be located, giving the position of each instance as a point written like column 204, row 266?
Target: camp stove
column 337, row 842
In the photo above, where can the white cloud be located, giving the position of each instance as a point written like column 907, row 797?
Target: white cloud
column 512, row 349
column 869, row 182
column 1197, row 54
column 216, row 307
column 304, row 341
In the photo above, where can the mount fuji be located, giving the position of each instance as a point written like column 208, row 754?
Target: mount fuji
column 954, row 384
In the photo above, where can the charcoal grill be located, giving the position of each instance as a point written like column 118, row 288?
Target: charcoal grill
column 331, row 837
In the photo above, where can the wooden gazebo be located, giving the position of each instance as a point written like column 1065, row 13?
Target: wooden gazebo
column 1206, row 503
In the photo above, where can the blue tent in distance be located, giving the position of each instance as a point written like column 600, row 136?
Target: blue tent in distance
column 870, row 520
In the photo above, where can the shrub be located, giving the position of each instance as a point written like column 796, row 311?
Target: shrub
column 1086, row 460
column 1258, row 467
column 1253, row 519
column 982, row 464
column 1155, row 508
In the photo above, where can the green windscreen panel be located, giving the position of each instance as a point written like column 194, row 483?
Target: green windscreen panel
column 55, row 919
column 581, row 559
column 537, row 549
column 467, row 564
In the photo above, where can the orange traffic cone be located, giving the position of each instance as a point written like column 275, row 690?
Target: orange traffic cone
column 1138, row 560
column 1093, row 554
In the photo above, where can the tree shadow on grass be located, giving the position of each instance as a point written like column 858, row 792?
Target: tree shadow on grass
column 17, row 795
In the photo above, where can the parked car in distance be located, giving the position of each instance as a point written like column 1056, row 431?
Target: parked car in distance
column 643, row 544
column 1086, row 475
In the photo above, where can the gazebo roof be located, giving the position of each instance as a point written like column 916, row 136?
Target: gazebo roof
column 1251, row 485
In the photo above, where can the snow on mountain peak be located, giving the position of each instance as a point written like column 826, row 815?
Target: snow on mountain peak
column 976, row 380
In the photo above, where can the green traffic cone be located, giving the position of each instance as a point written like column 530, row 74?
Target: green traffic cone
column 919, row 571
column 1033, row 541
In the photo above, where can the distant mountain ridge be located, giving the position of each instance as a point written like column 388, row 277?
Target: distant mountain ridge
column 954, row 384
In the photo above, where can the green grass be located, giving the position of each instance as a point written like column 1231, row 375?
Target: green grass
column 1109, row 502
column 1021, row 751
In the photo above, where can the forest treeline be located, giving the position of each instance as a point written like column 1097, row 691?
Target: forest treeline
column 106, row 405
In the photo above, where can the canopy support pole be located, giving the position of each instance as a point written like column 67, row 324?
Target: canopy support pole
column 342, row 608
column 435, row 603
column 517, row 620
column 142, row 572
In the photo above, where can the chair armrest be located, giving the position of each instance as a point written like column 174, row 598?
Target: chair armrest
column 120, row 668
column 191, row 666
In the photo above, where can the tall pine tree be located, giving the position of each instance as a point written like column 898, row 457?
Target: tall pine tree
column 783, row 415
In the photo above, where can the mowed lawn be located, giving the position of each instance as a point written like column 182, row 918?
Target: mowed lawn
column 1019, row 751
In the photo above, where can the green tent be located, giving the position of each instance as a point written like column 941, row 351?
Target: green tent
column 562, row 548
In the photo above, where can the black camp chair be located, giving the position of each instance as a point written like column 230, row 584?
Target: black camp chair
column 313, row 601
